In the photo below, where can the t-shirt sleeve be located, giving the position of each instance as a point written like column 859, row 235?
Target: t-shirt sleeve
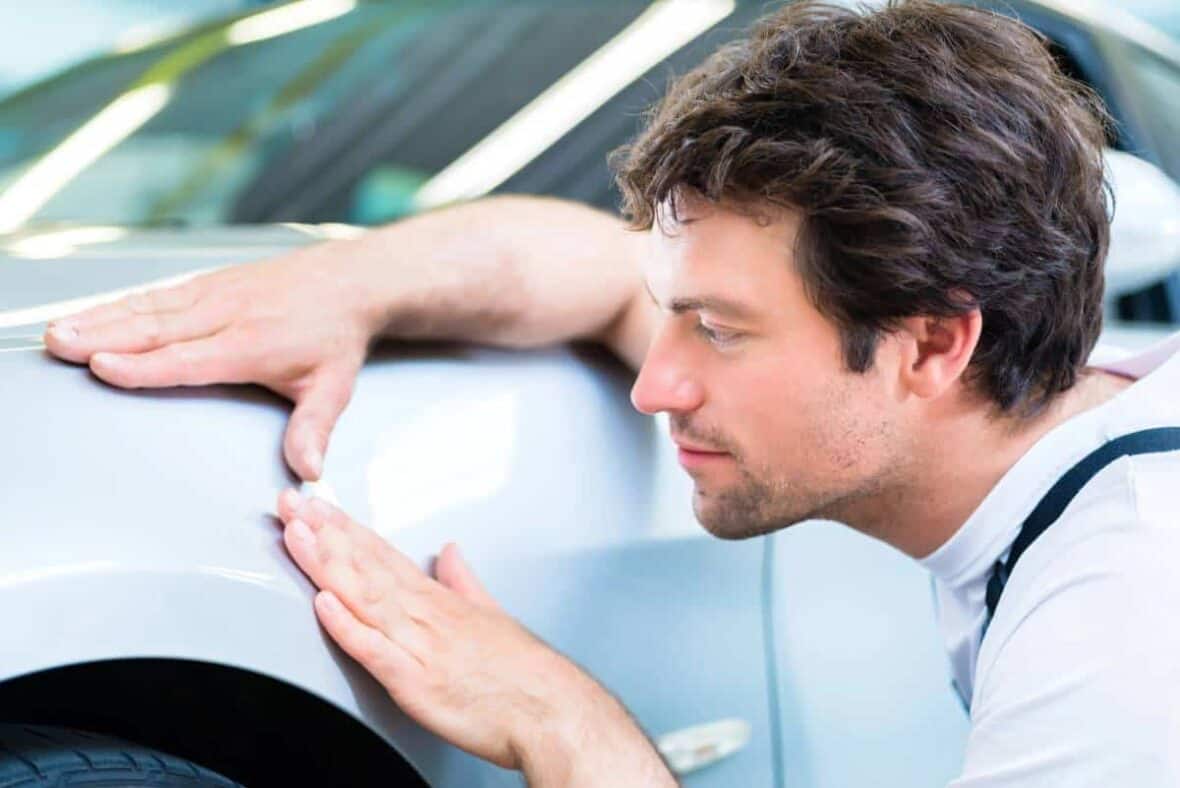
column 1082, row 687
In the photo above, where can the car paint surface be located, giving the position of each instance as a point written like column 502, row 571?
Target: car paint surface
column 138, row 523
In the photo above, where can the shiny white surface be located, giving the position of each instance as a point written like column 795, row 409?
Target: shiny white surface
column 138, row 524
column 1145, row 232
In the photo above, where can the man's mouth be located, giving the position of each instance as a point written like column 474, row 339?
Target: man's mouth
column 693, row 456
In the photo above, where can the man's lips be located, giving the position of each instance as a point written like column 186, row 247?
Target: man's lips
column 692, row 456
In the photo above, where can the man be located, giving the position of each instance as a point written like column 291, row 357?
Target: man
column 870, row 284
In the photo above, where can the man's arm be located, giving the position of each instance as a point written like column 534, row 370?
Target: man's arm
column 508, row 271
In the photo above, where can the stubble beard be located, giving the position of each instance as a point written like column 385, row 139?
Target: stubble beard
column 757, row 503
column 751, row 507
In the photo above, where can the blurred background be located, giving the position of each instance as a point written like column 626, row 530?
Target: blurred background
column 206, row 112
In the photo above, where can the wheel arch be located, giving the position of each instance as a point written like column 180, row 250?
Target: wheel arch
column 155, row 655
column 256, row 729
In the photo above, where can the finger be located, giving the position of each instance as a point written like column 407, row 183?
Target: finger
column 289, row 502
column 454, row 573
column 336, row 562
column 315, row 414
column 166, row 299
column 326, row 560
column 377, row 554
column 134, row 334
column 195, row 363
column 318, row 513
column 159, row 300
column 385, row 660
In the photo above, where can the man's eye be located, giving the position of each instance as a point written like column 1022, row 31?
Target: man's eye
column 715, row 335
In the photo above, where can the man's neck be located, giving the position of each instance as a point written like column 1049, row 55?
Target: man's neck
column 960, row 460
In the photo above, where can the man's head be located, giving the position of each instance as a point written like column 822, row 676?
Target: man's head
column 909, row 206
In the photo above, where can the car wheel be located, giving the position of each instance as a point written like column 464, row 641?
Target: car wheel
column 33, row 755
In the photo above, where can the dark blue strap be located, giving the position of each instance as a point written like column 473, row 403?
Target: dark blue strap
column 1068, row 486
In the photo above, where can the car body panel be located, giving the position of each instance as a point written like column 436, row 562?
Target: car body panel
column 863, row 677
column 139, row 522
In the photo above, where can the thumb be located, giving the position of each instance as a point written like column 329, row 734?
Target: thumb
column 454, row 573
column 311, row 423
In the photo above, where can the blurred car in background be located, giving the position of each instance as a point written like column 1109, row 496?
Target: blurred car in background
column 143, row 586
column 1161, row 14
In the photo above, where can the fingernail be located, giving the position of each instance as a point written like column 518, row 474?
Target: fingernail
column 63, row 332
column 301, row 533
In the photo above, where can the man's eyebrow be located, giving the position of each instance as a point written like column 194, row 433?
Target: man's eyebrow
column 716, row 304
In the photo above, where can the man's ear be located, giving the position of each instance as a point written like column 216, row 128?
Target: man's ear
column 935, row 351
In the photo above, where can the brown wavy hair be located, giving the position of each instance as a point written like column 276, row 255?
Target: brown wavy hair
column 940, row 161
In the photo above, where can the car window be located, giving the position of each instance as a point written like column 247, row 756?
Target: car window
column 185, row 131
column 41, row 117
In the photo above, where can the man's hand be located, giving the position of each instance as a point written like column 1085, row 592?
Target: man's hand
column 458, row 664
column 294, row 324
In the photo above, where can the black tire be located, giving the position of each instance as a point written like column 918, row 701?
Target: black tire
column 36, row 756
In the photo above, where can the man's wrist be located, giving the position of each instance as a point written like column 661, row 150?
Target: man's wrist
column 587, row 738
column 358, row 273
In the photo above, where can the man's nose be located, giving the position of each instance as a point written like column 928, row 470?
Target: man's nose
column 665, row 383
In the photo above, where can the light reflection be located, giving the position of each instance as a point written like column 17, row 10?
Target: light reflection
column 45, row 312
column 142, row 36
column 240, row 575
column 327, row 230
column 113, row 124
column 453, row 453
column 660, row 30
column 59, row 243
column 285, row 19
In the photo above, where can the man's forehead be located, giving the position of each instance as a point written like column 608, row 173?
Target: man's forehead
column 720, row 259
column 684, row 282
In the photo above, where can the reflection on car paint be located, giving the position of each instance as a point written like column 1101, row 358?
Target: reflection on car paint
column 462, row 449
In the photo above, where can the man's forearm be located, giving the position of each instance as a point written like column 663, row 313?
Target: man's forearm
column 593, row 742
column 508, row 271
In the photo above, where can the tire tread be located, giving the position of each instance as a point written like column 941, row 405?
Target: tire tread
column 38, row 756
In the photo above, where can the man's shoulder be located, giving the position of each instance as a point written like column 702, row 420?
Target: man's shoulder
column 1122, row 533
column 1119, row 525
column 1080, row 660
column 1098, row 591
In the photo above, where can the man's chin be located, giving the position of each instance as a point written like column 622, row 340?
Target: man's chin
column 734, row 517
column 719, row 520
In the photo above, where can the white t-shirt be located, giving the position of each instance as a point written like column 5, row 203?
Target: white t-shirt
column 1078, row 680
